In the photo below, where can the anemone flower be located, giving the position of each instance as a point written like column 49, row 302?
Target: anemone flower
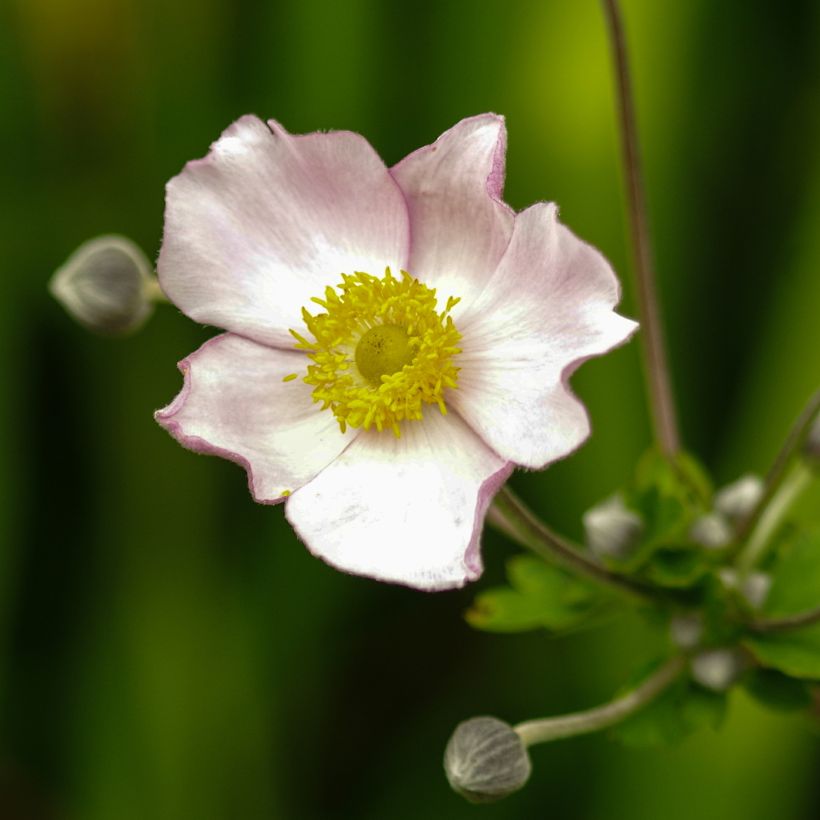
column 397, row 339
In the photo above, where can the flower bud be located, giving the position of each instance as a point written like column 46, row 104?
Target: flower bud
column 811, row 446
column 612, row 530
column 755, row 588
column 718, row 669
column 686, row 631
column 729, row 577
column 738, row 499
column 486, row 760
column 711, row 531
column 106, row 285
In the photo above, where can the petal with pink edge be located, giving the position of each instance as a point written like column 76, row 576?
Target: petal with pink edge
column 267, row 220
column 459, row 228
column 407, row 510
column 234, row 404
column 547, row 309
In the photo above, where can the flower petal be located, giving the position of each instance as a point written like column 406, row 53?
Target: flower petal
column 407, row 510
column 459, row 227
column 546, row 310
column 234, row 404
column 268, row 220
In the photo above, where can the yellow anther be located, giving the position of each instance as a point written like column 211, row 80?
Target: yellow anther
column 381, row 351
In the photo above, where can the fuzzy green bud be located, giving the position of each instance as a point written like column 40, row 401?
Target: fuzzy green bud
column 486, row 760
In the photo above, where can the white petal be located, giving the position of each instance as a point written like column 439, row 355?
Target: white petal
column 267, row 220
column 459, row 228
column 407, row 510
column 234, row 404
column 546, row 310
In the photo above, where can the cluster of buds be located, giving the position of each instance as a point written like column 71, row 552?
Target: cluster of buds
column 732, row 504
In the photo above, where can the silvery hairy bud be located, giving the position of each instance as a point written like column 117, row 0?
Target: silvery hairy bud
column 718, row 669
column 712, row 531
column 612, row 530
column 738, row 499
column 686, row 630
column 107, row 285
column 486, row 760
column 755, row 588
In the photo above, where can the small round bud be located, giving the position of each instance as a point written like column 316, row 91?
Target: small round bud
column 486, row 760
column 711, row 531
column 106, row 285
column 718, row 669
column 612, row 530
column 729, row 577
column 755, row 588
column 738, row 499
column 686, row 631
column 811, row 446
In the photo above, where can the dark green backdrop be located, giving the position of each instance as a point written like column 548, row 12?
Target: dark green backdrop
column 167, row 649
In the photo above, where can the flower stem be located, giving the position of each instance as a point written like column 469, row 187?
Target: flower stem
column 777, row 474
column 601, row 717
column 779, row 505
column 154, row 292
column 786, row 623
column 515, row 519
column 656, row 369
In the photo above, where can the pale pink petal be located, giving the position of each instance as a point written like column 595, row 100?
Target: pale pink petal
column 459, row 228
column 546, row 310
column 407, row 510
column 267, row 220
column 234, row 404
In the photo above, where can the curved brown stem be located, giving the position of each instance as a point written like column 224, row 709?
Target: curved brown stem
column 662, row 406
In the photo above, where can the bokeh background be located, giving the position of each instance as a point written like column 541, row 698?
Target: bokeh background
column 167, row 648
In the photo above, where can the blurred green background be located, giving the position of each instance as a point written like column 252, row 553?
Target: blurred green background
column 167, row 648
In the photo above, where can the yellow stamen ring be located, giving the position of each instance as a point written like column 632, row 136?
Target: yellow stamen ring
column 381, row 350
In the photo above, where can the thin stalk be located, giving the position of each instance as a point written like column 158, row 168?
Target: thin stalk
column 659, row 388
column 514, row 518
column 788, row 491
column 593, row 720
column 777, row 474
column 787, row 622
column 154, row 292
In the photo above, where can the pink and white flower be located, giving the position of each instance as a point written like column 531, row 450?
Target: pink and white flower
column 386, row 449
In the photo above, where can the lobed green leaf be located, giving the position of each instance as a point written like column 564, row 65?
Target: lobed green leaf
column 540, row 596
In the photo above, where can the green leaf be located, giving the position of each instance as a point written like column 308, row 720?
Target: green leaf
column 795, row 589
column 539, row 596
column 676, row 566
column 796, row 576
column 778, row 691
column 795, row 653
column 672, row 716
column 668, row 496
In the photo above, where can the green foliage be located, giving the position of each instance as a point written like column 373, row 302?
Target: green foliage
column 676, row 567
column 795, row 589
column 539, row 595
column 796, row 653
column 778, row 691
column 668, row 496
column 682, row 709
column 796, row 575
